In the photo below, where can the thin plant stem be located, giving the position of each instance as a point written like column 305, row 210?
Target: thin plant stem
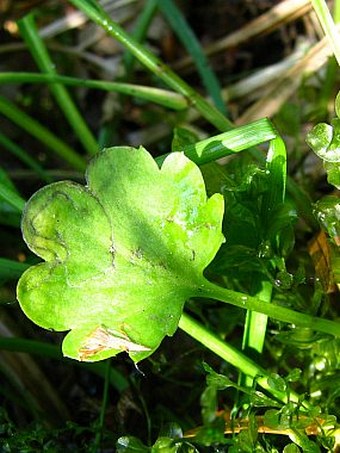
column 105, row 399
column 160, row 96
column 279, row 313
column 10, row 269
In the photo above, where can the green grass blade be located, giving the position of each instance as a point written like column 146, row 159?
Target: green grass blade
column 159, row 96
column 231, row 355
column 227, row 143
column 255, row 327
column 140, row 31
column 24, row 157
column 39, row 52
column 97, row 14
column 10, row 269
column 10, row 214
column 184, row 32
column 276, row 167
column 40, row 132
column 11, row 197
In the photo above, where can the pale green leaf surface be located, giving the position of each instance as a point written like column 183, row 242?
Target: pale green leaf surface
column 324, row 139
column 122, row 254
column 333, row 173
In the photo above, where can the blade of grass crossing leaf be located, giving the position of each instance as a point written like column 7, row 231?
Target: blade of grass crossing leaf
column 276, row 168
column 159, row 96
column 39, row 52
column 255, row 327
column 24, row 157
column 182, row 29
column 40, row 132
column 96, row 13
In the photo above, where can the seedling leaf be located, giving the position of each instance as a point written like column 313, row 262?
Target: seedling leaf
column 122, row 253
column 324, row 139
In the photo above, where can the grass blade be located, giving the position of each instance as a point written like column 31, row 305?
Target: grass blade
column 227, row 143
column 140, row 31
column 11, row 197
column 24, row 157
column 276, row 166
column 182, row 29
column 230, row 355
column 10, row 269
column 39, row 52
column 159, row 96
column 40, row 132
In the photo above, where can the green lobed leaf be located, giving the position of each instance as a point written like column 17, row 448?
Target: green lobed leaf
column 122, row 253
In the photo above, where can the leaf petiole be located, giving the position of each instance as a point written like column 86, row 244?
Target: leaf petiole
column 213, row 291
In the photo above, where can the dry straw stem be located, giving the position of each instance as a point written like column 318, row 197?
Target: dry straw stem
column 285, row 86
column 260, row 81
column 285, row 12
column 317, row 427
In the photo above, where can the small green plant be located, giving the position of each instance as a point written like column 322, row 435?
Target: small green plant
column 148, row 246
column 125, row 252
